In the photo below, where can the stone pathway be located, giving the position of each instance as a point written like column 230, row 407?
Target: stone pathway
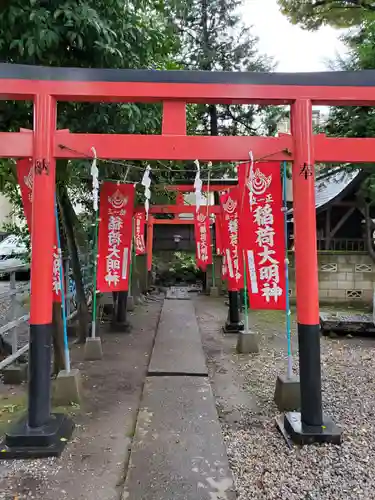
column 178, row 451
column 178, row 293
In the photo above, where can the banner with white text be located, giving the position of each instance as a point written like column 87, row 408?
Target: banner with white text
column 115, row 236
column 262, row 234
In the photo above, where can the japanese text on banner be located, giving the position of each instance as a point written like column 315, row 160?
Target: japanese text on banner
column 139, row 233
column 25, row 176
column 115, row 235
column 203, row 240
column 230, row 223
column 262, row 235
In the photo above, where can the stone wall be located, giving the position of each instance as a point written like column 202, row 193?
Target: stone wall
column 343, row 277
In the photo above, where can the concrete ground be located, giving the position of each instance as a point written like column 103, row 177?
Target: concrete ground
column 93, row 465
column 178, row 434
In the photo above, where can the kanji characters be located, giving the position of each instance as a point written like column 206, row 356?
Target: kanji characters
column 271, row 291
column 268, row 273
column 265, row 236
column 263, row 215
column 115, row 223
column 266, row 256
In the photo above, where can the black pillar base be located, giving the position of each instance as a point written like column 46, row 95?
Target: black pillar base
column 233, row 327
column 120, row 327
column 301, row 433
column 49, row 440
column 233, row 323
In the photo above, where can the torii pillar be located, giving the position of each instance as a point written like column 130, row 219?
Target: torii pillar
column 310, row 425
column 40, row 433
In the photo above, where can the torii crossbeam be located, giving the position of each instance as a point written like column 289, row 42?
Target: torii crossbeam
column 46, row 86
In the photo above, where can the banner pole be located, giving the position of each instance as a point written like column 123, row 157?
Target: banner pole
column 62, row 290
column 132, row 256
column 213, row 268
column 287, row 308
column 246, row 313
column 94, row 285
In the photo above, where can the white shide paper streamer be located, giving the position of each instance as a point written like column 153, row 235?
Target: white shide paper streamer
column 146, row 182
column 198, row 187
column 95, row 181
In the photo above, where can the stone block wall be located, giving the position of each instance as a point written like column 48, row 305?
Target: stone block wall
column 343, row 277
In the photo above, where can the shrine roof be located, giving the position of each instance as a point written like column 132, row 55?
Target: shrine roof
column 335, row 188
column 364, row 78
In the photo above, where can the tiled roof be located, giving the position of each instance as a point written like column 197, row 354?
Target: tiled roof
column 334, row 187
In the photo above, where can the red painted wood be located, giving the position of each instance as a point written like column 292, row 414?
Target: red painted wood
column 16, row 144
column 327, row 149
column 189, row 92
column 43, row 212
column 159, row 147
column 174, row 118
column 189, row 188
column 304, row 215
column 178, row 209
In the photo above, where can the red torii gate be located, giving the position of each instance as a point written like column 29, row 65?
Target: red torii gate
column 177, row 209
column 40, row 433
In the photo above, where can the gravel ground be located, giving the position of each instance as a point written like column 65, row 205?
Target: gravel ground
column 262, row 464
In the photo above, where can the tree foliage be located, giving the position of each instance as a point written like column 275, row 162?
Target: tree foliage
column 312, row 14
column 214, row 38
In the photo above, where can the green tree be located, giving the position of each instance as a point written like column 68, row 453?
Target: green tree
column 83, row 33
column 214, row 38
column 357, row 121
column 311, row 14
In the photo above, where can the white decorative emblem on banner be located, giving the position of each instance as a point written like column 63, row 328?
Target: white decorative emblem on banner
column 258, row 183
column 146, row 182
column 29, row 182
column 118, row 200
column 230, row 205
column 198, row 187
column 95, row 181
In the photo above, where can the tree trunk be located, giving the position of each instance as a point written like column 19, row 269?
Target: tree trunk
column 68, row 223
column 58, row 339
column 213, row 120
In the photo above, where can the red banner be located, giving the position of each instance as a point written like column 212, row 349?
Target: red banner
column 25, row 176
column 139, row 233
column 203, row 240
column 115, row 235
column 262, row 235
column 233, row 262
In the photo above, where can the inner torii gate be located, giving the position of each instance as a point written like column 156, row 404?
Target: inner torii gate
column 40, row 433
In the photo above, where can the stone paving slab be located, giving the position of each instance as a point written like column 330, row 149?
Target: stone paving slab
column 178, row 293
column 178, row 345
column 178, row 451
